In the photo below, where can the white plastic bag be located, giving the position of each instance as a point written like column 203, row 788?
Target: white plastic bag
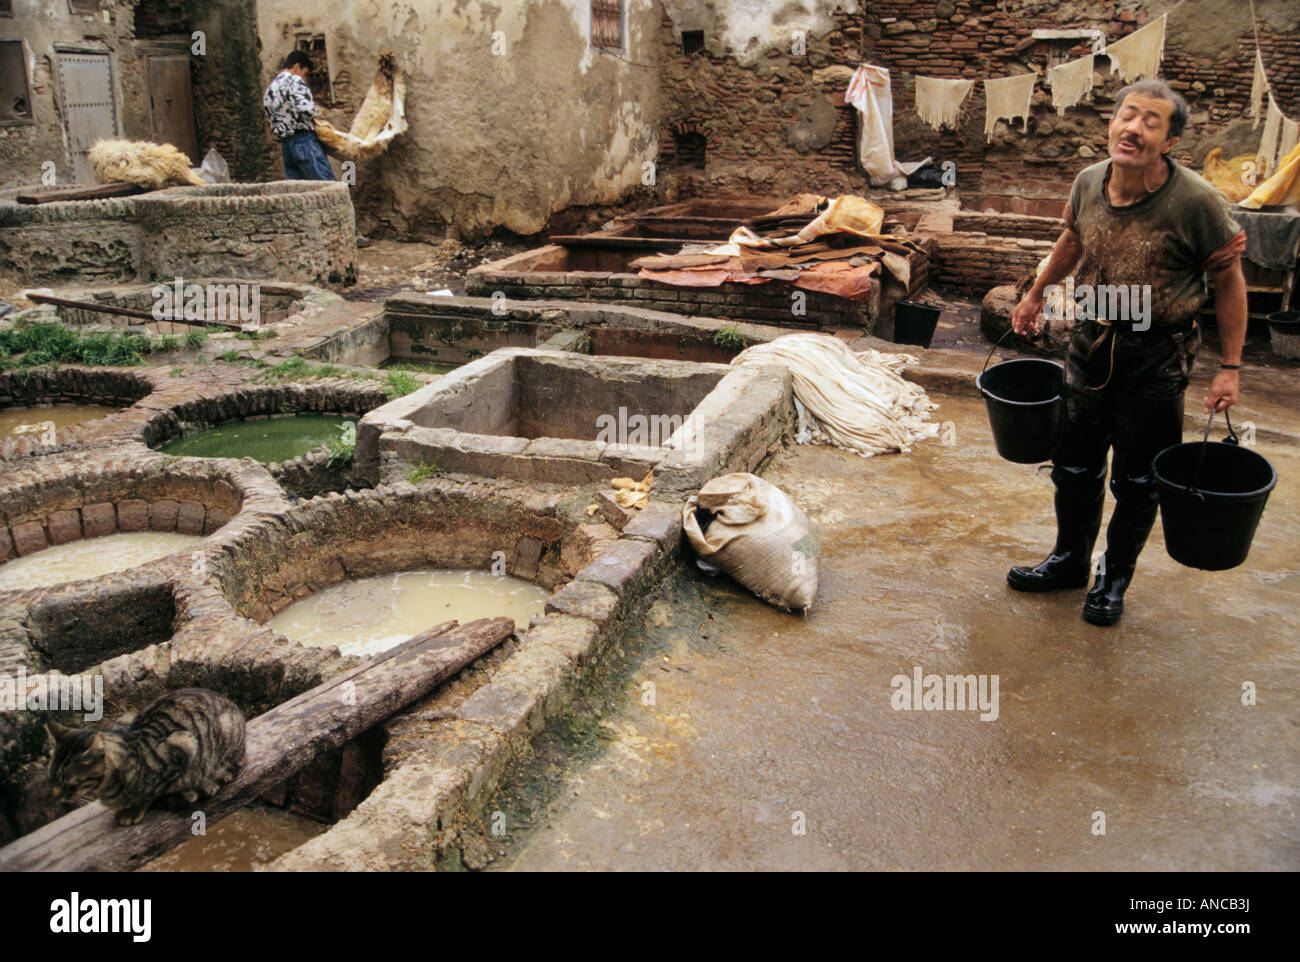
column 756, row 533
column 214, row 168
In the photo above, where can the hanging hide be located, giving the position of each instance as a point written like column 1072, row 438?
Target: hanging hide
column 1138, row 55
column 1070, row 83
column 939, row 100
column 1257, row 87
column 1007, row 98
column 1269, row 141
column 381, row 118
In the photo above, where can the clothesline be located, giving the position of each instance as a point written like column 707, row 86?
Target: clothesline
column 938, row 100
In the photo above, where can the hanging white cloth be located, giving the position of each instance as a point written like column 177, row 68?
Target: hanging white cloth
column 869, row 92
column 1257, row 87
column 1007, row 98
column 1268, row 142
column 1138, row 55
column 939, row 100
column 1070, row 83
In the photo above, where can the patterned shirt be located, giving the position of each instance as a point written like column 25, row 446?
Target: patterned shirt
column 289, row 106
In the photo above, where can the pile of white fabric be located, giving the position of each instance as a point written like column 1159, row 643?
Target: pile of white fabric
column 857, row 402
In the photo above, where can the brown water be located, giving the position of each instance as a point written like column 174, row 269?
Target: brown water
column 32, row 422
column 371, row 615
column 90, row 558
column 243, row 842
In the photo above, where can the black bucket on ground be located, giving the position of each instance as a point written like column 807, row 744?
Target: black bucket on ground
column 1284, row 334
column 914, row 323
column 1026, row 406
column 1212, row 495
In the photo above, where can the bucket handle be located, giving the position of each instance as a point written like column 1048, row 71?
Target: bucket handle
column 1191, row 487
column 994, row 348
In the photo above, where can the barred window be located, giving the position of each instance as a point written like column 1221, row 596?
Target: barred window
column 607, row 24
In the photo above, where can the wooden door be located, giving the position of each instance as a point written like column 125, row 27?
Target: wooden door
column 89, row 106
column 171, row 103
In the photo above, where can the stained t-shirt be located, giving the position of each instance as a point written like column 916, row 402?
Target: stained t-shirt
column 1165, row 240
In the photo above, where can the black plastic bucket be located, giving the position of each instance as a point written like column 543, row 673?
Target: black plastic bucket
column 1026, row 407
column 1284, row 334
column 1212, row 495
column 914, row 323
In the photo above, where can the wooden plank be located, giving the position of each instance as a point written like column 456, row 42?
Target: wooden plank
column 278, row 744
column 636, row 243
column 79, row 192
column 36, row 298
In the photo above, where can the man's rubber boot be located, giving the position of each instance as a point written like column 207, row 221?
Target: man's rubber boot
column 1080, row 493
column 1105, row 602
column 1125, row 536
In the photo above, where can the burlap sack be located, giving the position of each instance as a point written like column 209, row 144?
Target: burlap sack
column 758, row 535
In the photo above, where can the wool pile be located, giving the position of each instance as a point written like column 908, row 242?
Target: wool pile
column 139, row 162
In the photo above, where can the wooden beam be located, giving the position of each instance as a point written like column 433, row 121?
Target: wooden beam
column 635, row 243
column 278, row 744
column 79, row 192
column 37, row 298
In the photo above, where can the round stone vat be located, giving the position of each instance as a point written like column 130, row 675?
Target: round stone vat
column 58, row 501
column 248, row 412
column 43, row 409
column 436, row 525
column 301, row 231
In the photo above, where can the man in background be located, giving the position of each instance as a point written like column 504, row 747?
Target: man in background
column 291, row 111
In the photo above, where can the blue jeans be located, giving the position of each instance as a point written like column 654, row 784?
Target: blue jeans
column 304, row 158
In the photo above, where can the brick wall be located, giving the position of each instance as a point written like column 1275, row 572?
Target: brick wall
column 746, row 113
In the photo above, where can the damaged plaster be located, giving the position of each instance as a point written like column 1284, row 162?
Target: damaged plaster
column 513, row 116
column 747, row 29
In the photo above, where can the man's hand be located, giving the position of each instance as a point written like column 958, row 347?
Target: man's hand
column 1024, row 319
column 1224, row 392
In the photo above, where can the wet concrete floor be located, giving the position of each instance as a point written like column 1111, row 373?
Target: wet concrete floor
column 771, row 743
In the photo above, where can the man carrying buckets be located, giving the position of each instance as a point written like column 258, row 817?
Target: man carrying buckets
column 1140, row 233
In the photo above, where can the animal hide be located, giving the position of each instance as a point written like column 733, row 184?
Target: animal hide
column 139, row 162
column 1268, row 142
column 381, row 118
column 938, row 101
column 1257, row 87
column 1007, row 98
column 1070, row 83
column 1138, row 55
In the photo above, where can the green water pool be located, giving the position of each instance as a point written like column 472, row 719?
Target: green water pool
column 267, row 440
column 423, row 365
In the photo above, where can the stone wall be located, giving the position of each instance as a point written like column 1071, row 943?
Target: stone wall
column 513, row 115
column 289, row 230
column 227, row 86
column 773, row 121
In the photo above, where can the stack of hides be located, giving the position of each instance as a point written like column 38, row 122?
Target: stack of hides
column 836, row 247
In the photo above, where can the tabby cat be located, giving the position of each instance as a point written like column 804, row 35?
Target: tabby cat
column 188, row 743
